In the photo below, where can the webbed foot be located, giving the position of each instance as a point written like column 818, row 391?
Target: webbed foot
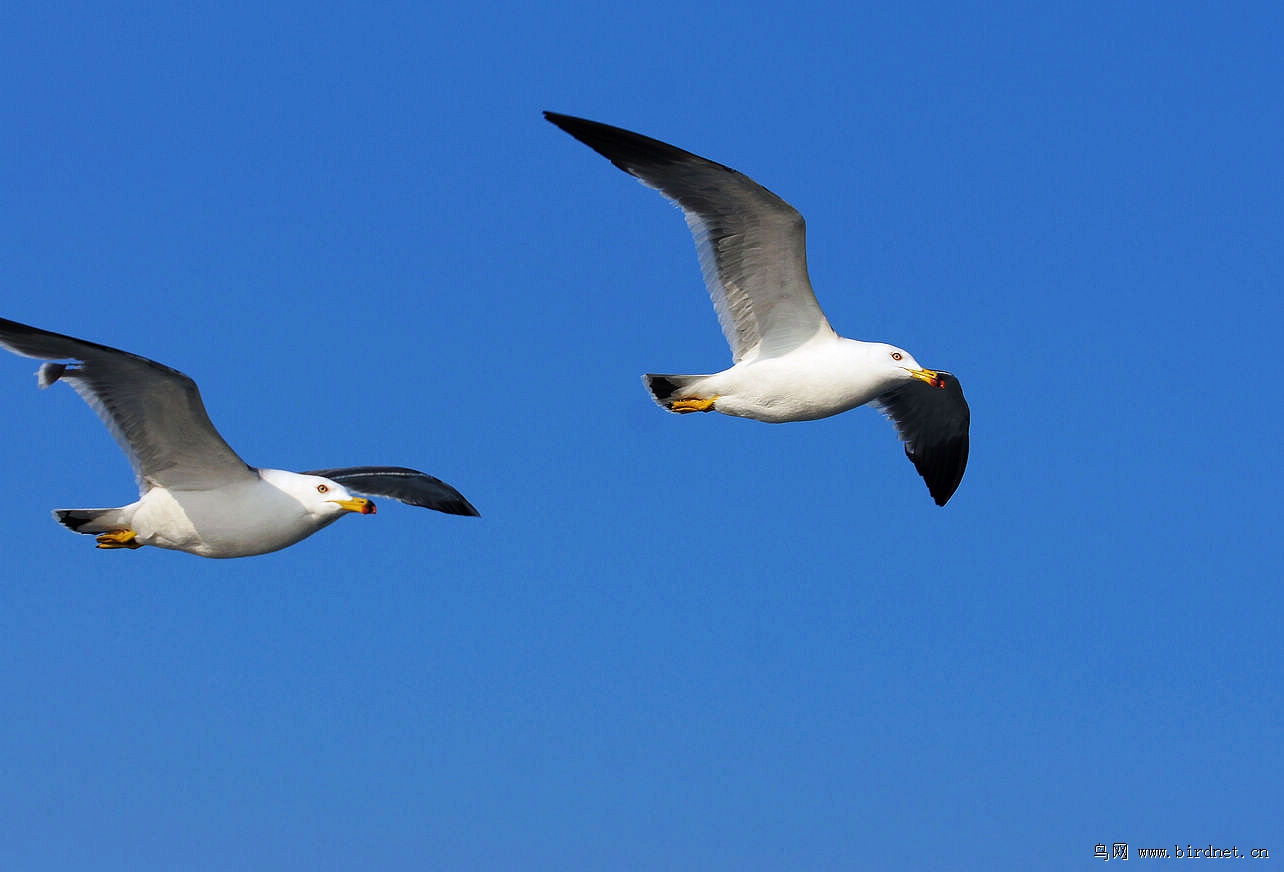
column 119, row 539
column 692, row 405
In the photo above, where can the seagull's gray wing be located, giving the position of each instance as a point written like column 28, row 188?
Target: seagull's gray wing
column 155, row 412
column 752, row 244
column 932, row 420
column 399, row 483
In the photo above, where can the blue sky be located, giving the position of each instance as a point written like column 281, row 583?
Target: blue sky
column 670, row 642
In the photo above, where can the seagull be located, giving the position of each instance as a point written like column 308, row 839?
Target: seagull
column 788, row 364
column 195, row 493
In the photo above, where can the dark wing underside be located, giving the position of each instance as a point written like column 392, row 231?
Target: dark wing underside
column 410, row 486
column 933, row 423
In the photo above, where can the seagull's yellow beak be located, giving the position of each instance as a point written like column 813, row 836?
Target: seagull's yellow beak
column 928, row 375
column 361, row 505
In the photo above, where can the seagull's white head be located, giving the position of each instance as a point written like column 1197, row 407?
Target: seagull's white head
column 319, row 496
column 900, row 364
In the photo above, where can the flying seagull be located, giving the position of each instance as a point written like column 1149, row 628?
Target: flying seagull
column 195, row 493
column 788, row 363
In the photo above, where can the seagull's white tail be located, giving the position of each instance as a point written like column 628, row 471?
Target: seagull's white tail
column 91, row 520
column 665, row 389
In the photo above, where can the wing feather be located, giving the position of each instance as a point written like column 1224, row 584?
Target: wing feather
column 752, row 244
column 933, row 423
column 154, row 412
column 399, row 483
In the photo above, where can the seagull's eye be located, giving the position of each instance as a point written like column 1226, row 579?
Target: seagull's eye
column 322, row 489
column 896, row 355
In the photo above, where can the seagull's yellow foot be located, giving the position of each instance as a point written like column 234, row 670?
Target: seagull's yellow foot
column 119, row 539
column 692, row 405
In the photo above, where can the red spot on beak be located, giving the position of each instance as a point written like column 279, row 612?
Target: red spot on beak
column 369, row 508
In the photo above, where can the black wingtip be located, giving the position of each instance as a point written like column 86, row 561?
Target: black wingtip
column 461, row 507
column 445, row 499
column 586, row 131
column 561, row 119
column 942, row 483
column 624, row 148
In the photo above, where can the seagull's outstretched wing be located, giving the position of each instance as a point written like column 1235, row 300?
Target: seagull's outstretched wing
column 752, row 244
column 399, row 483
column 155, row 412
column 932, row 420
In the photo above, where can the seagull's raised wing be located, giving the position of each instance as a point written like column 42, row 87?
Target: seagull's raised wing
column 155, row 412
column 399, row 483
column 932, row 420
column 752, row 244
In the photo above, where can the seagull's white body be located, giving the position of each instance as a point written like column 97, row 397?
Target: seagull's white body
column 788, row 364
column 800, row 385
column 249, row 516
column 194, row 493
